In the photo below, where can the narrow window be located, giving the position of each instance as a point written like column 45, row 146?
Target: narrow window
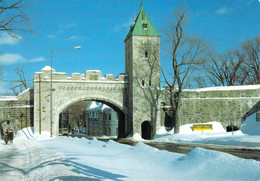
column 144, row 26
column 146, row 54
column 150, row 82
column 142, row 82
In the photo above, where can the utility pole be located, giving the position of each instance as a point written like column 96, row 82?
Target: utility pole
column 40, row 106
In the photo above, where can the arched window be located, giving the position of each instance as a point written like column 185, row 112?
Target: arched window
column 146, row 130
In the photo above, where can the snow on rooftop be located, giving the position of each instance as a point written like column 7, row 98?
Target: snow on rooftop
column 97, row 106
column 8, row 98
column 226, row 88
column 47, row 68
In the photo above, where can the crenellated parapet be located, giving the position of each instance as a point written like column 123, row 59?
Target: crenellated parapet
column 89, row 75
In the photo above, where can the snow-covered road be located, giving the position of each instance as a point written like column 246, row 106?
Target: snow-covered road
column 15, row 160
column 65, row 158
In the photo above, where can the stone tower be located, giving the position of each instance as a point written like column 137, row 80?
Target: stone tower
column 142, row 64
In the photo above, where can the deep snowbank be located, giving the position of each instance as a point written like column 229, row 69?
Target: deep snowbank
column 114, row 161
column 248, row 136
column 25, row 133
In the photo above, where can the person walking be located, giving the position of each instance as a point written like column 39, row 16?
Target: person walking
column 6, row 134
column 11, row 136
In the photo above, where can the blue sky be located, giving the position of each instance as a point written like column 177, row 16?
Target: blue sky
column 100, row 26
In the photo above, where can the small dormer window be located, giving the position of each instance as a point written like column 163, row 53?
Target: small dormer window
column 146, row 54
column 144, row 26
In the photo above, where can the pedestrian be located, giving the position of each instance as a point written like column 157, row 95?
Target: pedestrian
column 11, row 135
column 6, row 133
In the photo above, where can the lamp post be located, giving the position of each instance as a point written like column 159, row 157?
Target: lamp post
column 52, row 52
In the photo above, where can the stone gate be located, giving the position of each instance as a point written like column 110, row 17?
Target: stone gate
column 90, row 86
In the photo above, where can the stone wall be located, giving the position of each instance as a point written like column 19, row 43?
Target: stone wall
column 17, row 111
column 226, row 105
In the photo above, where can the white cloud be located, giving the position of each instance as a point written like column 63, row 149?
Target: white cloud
column 62, row 29
column 224, row 10
column 75, row 37
column 123, row 25
column 6, row 39
column 68, row 26
column 51, row 36
column 39, row 59
column 8, row 59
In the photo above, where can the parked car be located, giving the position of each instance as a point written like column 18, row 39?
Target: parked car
column 63, row 131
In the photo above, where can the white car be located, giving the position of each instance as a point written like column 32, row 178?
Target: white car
column 63, row 131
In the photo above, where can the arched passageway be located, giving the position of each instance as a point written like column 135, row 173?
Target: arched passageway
column 146, row 130
column 86, row 128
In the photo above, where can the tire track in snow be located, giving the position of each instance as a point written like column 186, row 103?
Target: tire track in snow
column 14, row 161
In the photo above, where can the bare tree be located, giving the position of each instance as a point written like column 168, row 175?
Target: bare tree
column 252, row 50
column 227, row 69
column 186, row 53
column 77, row 113
column 13, row 17
column 22, row 83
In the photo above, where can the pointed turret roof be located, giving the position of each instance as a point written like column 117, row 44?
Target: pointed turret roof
column 142, row 26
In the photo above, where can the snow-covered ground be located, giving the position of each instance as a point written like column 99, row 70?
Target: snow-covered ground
column 67, row 158
column 33, row 157
column 247, row 137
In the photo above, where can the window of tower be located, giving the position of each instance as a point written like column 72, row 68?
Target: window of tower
column 146, row 54
column 144, row 26
column 150, row 82
column 142, row 82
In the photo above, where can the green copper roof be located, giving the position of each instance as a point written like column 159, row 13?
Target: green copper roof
column 138, row 27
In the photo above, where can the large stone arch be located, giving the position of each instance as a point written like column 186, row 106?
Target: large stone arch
column 114, row 104
column 100, row 98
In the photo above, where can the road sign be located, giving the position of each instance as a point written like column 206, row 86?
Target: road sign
column 202, row 127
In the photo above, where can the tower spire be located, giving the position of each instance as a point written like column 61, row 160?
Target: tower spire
column 141, row 4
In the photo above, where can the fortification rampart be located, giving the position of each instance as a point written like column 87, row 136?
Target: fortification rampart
column 223, row 104
column 17, row 111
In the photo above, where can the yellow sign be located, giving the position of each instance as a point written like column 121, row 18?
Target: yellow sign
column 202, row 127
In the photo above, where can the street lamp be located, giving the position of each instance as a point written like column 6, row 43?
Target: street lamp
column 52, row 52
